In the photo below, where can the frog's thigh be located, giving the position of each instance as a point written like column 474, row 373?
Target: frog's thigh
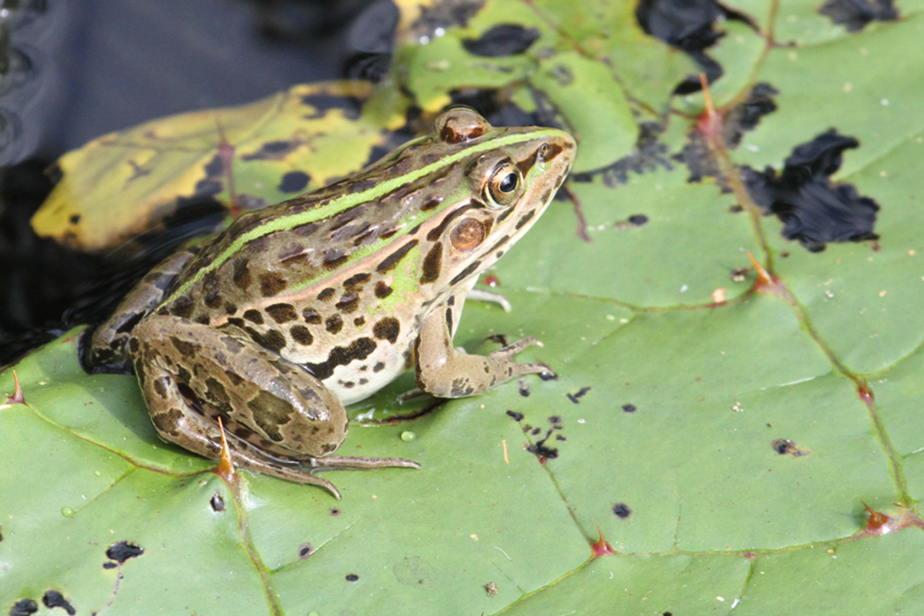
column 107, row 350
column 447, row 372
column 186, row 368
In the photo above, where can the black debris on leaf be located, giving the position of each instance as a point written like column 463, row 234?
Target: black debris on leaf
column 813, row 210
column 523, row 388
column 123, row 550
column 637, row 220
column 516, row 416
column 541, row 451
column 649, row 154
column 496, row 111
column 688, row 25
column 52, row 598
column 304, row 551
column 217, row 503
column 323, row 102
column 23, row 607
column 629, row 408
column 294, row 182
column 857, row 14
column 576, row 396
column 746, row 115
column 445, row 15
column 502, row 40
column 622, row 511
column 351, row 577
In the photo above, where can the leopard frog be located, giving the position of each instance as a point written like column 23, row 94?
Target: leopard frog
column 302, row 307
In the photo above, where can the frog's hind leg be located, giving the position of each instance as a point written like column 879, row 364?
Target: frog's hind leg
column 279, row 417
column 105, row 348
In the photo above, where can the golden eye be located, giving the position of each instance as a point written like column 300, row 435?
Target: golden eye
column 468, row 234
column 504, row 185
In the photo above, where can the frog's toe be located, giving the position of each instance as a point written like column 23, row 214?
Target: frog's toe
column 360, row 463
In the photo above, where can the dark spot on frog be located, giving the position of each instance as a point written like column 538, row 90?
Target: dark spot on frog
column 294, row 181
column 334, row 324
column 432, row 264
column 304, row 551
column 27, row 607
column 382, row 290
column 241, row 275
column 326, row 294
column 311, row 316
column 269, row 413
column 334, row 258
column 281, row 313
column 356, row 280
column 123, row 550
column 378, row 367
column 430, row 204
column 468, row 271
column 629, row 408
column 216, row 391
column 516, row 416
column 359, row 349
column 359, row 321
column 213, row 299
column 392, row 260
column 134, row 345
column 351, row 577
column 186, row 349
column 234, row 378
column 217, row 503
column 230, row 308
column 182, row 306
column 348, row 303
column 273, row 339
column 272, row 284
column 576, row 397
column 525, row 218
column 348, row 384
column 254, row 316
column 301, row 335
column 52, row 599
column 160, row 386
column 387, row 329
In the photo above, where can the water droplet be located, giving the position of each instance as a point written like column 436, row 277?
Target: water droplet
column 408, row 436
column 67, row 512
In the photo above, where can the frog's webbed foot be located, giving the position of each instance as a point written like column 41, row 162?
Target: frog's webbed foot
column 447, row 372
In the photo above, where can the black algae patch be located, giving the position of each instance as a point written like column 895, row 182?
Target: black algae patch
column 502, row 40
column 351, row 577
column 746, row 115
column 857, row 14
column 688, row 25
column 23, row 607
column 123, row 550
column 622, row 511
column 648, row 155
column 814, row 210
column 541, row 451
column 52, row 598
column 516, row 416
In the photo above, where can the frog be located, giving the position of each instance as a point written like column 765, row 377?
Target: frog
column 269, row 330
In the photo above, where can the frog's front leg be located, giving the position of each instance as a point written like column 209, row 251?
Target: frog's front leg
column 107, row 347
column 447, row 372
column 279, row 418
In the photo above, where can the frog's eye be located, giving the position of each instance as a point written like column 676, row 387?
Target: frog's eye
column 504, row 185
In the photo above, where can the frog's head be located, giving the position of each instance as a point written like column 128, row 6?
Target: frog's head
column 504, row 178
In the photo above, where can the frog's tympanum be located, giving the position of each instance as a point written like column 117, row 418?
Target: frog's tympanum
column 302, row 307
